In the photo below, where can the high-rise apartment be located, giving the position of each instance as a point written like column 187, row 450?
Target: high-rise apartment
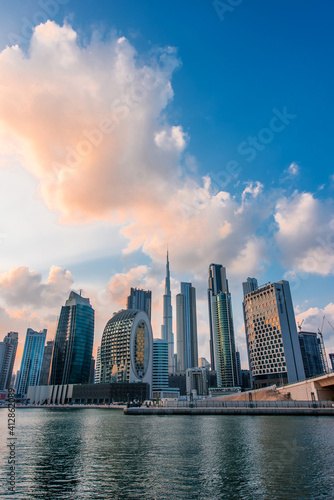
column 167, row 326
column 222, row 343
column 272, row 339
column 31, row 363
column 13, row 339
column 98, row 366
column 186, row 328
column 140, row 299
column 46, row 363
column 6, row 351
column 126, row 348
column 160, row 365
column 312, row 355
column 72, row 354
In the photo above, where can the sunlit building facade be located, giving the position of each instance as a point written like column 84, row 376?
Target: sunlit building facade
column 271, row 332
column 127, row 348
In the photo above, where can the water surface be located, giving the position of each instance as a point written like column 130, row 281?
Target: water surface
column 103, row 454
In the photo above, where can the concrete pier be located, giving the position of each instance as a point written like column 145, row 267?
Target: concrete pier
column 230, row 411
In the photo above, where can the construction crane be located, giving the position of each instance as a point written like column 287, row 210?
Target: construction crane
column 300, row 325
column 324, row 356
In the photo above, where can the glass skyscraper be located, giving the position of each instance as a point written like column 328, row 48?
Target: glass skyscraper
column 186, row 328
column 311, row 349
column 222, row 343
column 140, row 299
column 31, row 360
column 160, row 364
column 72, row 354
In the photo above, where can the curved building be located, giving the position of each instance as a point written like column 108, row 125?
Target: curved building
column 127, row 348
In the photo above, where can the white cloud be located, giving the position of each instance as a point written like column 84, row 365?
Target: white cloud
column 293, row 169
column 22, row 287
column 305, row 233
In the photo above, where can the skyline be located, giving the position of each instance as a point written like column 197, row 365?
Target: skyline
column 221, row 149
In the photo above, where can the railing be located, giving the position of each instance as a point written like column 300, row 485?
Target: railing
column 249, row 404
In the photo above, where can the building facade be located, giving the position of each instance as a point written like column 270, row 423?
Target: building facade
column 311, row 350
column 331, row 358
column 72, row 354
column 6, row 352
column 11, row 338
column 271, row 333
column 97, row 377
column 160, row 365
column 46, row 363
column 140, row 299
column 31, row 363
column 167, row 326
column 222, row 343
column 127, row 348
column 197, row 381
column 186, row 328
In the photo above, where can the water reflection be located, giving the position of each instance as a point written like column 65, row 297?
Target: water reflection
column 102, row 454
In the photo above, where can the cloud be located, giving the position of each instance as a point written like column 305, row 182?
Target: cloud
column 293, row 169
column 21, row 287
column 305, row 233
column 90, row 122
column 313, row 320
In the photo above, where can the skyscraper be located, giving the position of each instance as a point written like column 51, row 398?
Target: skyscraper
column 160, row 365
column 140, row 299
column 126, row 348
column 272, row 339
column 249, row 286
column 311, row 349
column 31, row 360
column 6, row 351
column 167, row 326
column 72, row 354
column 222, row 343
column 186, row 328
column 331, row 357
column 11, row 338
column 98, row 366
column 46, row 363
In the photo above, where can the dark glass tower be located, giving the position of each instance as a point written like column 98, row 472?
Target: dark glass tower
column 311, row 350
column 73, row 347
column 186, row 328
column 140, row 299
column 222, row 343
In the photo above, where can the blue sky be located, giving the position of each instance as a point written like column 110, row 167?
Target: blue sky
column 226, row 85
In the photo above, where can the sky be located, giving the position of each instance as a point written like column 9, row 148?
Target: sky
column 128, row 127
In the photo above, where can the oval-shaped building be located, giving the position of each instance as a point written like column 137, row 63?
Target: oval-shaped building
column 127, row 348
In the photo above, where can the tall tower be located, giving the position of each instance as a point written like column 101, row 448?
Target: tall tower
column 272, row 339
column 140, row 299
column 31, row 363
column 11, row 338
column 46, row 363
column 222, row 343
column 186, row 328
column 72, row 354
column 167, row 326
